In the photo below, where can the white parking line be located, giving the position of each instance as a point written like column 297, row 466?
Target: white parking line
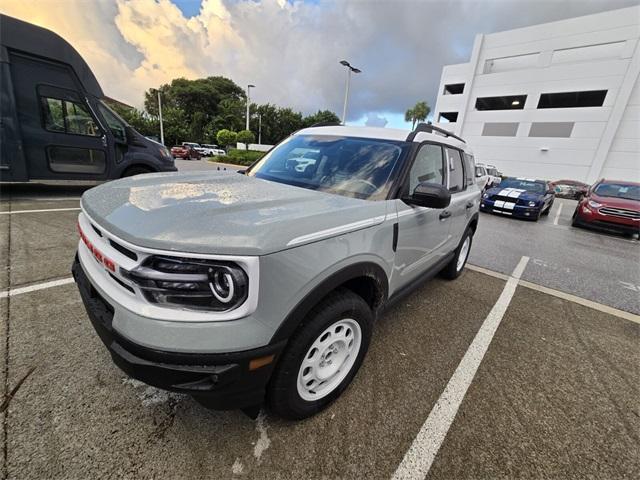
column 12, row 292
column 418, row 459
column 557, row 217
column 562, row 295
column 40, row 211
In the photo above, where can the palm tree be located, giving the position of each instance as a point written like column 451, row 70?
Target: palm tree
column 418, row 113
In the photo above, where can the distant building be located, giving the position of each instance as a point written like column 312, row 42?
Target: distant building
column 554, row 101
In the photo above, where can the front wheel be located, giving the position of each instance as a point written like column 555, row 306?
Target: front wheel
column 456, row 265
column 322, row 357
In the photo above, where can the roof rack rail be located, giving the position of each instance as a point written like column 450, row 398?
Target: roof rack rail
column 326, row 124
column 429, row 128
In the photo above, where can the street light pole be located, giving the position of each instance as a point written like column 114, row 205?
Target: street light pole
column 249, row 87
column 259, row 129
column 350, row 69
column 160, row 117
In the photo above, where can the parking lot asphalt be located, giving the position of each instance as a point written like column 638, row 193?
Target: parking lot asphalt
column 555, row 395
column 593, row 265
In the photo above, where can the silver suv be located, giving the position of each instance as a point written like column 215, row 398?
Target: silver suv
column 238, row 289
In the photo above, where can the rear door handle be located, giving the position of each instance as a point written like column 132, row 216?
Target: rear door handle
column 445, row 214
column 469, row 205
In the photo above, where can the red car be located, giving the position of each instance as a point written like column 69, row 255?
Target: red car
column 610, row 205
column 185, row 152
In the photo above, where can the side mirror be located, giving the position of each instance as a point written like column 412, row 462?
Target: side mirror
column 551, row 191
column 431, row 195
column 241, row 172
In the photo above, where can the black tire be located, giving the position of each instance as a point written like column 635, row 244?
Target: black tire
column 135, row 170
column 574, row 219
column 451, row 271
column 548, row 209
column 283, row 397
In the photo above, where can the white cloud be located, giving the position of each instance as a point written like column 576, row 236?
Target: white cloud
column 290, row 51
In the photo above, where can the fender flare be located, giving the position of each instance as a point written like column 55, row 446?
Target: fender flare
column 329, row 284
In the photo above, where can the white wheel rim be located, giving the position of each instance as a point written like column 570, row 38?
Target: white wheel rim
column 329, row 360
column 464, row 252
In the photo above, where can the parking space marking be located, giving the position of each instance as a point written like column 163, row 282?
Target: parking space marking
column 562, row 295
column 40, row 211
column 12, row 292
column 558, row 212
column 419, row 458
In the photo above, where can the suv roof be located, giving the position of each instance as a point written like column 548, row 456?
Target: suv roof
column 382, row 133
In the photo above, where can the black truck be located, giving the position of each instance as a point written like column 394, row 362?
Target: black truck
column 54, row 124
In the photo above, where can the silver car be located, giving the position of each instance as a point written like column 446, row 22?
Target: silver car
column 241, row 289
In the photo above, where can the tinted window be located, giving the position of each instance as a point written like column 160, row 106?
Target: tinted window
column 66, row 116
column 470, row 165
column 528, row 185
column 456, row 171
column 115, row 123
column 354, row 167
column 76, row 160
column 427, row 167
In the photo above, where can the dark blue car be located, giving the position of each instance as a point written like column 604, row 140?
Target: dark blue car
column 519, row 197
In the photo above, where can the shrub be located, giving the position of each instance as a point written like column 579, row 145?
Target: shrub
column 246, row 137
column 226, row 137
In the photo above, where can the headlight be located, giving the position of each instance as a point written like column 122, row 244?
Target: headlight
column 532, row 203
column 191, row 283
column 593, row 204
column 485, row 195
column 165, row 153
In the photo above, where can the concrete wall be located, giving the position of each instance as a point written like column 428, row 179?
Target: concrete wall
column 255, row 146
column 595, row 52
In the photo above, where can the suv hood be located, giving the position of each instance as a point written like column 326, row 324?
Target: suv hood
column 616, row 202
column 223, row 213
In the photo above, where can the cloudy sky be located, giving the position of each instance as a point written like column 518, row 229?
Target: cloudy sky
column 289, row 49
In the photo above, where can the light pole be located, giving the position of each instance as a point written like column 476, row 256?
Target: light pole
column 259, row 129
column 350, row 69
column 249, row 87
column 160, row 117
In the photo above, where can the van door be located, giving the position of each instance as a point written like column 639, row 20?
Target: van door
column 423, row 236
column 61, row 136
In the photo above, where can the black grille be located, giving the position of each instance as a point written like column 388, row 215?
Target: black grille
column 125, row 251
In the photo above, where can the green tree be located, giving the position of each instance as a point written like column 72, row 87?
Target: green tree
column 226, row 137
column 324, row 116
column 246, row 137
column 417, row 113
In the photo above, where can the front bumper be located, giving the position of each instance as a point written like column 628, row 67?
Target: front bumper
column 590, row 218
column 509, row 209
column 221, row 381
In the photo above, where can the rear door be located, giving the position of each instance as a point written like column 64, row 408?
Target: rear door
column 61, row 136
column 423, row 237
column 464, row 194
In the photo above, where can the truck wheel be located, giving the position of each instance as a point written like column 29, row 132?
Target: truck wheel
column 322, row 357
column 456, row 265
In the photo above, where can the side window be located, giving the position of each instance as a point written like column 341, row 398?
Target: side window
column 66, row 116
column 470, row 167
column 456, row 170
column 116, row 126
column 427, row 167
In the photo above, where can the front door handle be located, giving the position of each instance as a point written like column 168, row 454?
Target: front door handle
column 469, row 205
column 445, row 214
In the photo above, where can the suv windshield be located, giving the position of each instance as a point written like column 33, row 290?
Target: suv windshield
column 349, row 166
column 529, row 186
column 618, row 190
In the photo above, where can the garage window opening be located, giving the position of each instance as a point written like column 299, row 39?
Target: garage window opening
column 454, row 89
column 506, row 102
column 591, row 98
column 448, row 117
